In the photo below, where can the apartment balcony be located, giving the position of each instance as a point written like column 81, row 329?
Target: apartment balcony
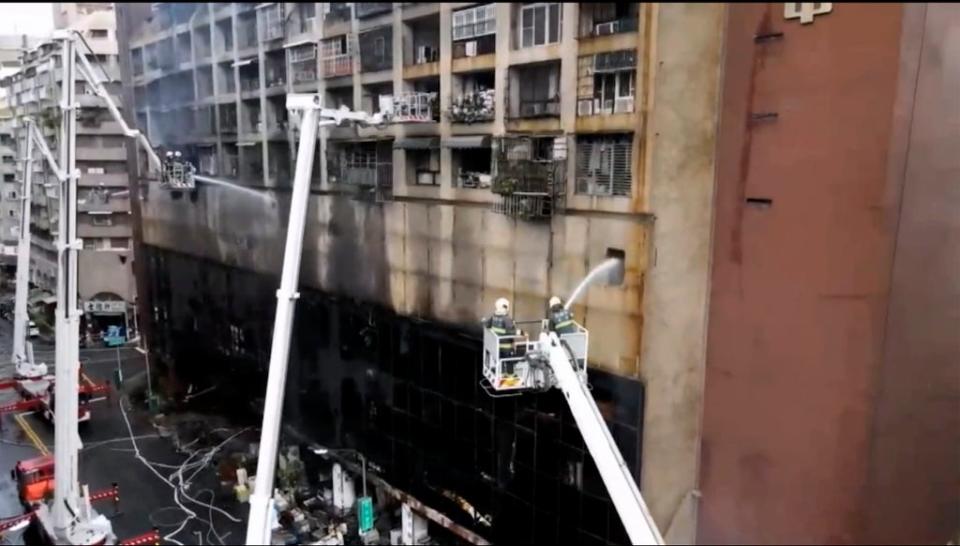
column 89, row 100
column 93, row 230
column 247, row 37
column 112, row 180
column 341, row 65
column 476, row 107
column 249, row 86
column 412, row 107
column 368, row 175
column 112, row 205
column 102, row 154
column 539, row 108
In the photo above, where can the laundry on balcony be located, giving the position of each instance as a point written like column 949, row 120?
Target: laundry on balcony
column 475, row 107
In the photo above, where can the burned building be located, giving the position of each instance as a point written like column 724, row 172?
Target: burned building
column 529, row 142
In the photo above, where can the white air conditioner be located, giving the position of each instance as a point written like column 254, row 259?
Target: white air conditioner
column 470, row 48
column 585, row 107
column 603, row 29
column 623, row 105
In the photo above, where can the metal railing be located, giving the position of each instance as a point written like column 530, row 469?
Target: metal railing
column 539, row 108
column 415, row 106
column 375, row 175
column 341, row 65
column 624, row 24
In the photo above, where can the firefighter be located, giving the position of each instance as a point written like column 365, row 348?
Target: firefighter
column 502, row 325
column 560, row 319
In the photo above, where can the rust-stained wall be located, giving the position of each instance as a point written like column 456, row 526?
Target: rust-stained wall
column 830, row 411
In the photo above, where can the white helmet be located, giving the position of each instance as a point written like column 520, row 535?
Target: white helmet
column 555, row 301
column 502, row 307
column 169, row 154
column 176, row 154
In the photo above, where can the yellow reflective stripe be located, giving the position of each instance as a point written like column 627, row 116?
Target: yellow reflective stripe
column 497, row 330
column 565, row 323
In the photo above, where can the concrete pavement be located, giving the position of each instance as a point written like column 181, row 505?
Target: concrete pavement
column 146, row 500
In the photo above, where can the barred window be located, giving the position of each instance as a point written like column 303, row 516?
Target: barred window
column 474, row 22
column 604, row 164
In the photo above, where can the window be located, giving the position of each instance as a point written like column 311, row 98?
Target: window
column 474, row 22
column 539, row 24
column 379, row 46
column 606, row 83
column 539, row 90
column 120, row 243
column 604, row 164
column 426, row 166
column 94, row 170
column 98, row 33
column 303, row 63
column 12, row 195
column 307, row 15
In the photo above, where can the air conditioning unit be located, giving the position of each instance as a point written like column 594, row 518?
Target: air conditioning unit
column 585, row 107
column 471, row 48
column 602, row 29
column 623, row 105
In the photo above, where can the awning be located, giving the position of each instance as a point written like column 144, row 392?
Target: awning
column 49, row 300
column 298, row 43
column 482, row 141
column 245, row 62
column 423, row 143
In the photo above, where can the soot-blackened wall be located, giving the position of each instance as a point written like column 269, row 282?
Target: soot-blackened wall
column 403, row 391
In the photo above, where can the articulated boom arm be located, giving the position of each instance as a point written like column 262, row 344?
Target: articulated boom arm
column 615, row 473
column 86, row 70
column 304, row 101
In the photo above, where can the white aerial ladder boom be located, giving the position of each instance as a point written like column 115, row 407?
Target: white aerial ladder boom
column 616, row 475
column 313, row 116
column 560, row 360
column 22, row 357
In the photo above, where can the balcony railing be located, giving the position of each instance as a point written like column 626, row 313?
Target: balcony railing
column 377, row 175
column 597, row 107
column 304, row 75
column 341, row 65
column 625, row 24
column 411, row 107
column 539, row 108
column 476, row 107
column 249, row 84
